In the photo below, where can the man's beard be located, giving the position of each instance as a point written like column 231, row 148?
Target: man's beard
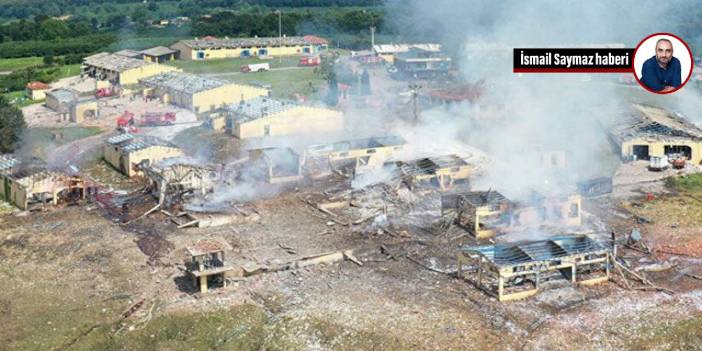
column 663, row 61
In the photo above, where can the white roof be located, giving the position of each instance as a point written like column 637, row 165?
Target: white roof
column 396, row 48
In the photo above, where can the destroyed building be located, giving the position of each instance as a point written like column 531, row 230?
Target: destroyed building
column 217, row 48
column 71, row 106
column 197, row 93
column 207, row 265
column 512, row 271
column 453, row 95
column 388, row 51
column 362, row 153
column 548, row 207
column 443, row 171
column 179, row 178
column 120, row 70
column 261, row 116
column 125, row 151
column 654, row 132
column 31, row 185
column 482, row 213
column 421, row 64
column 279, row 165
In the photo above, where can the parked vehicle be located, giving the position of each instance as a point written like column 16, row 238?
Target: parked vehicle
column 658, row 163
column 310, row 61
column 154, row 119
column 104, row 92
column 125, row 122
column 256, row 67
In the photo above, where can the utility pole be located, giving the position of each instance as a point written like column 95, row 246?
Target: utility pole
column 280, row 34
column 372, row 29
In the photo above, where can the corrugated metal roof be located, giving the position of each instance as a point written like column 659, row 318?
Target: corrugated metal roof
column 120, row 138
column 532, row 251
column 129, row 142
column 398, row 48
column 7, row 161
column 259, row 107
column 211, row 42
column 182, row 82
column 158, row 51
column 114, row 62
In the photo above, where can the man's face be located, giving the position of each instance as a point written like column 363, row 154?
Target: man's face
column 664, row 52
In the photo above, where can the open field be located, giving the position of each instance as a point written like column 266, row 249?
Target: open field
column 12, row 64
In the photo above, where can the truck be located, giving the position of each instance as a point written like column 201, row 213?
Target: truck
column 658, row 163
column 310, row 60
column 155, row 119
column 104, row 92
column 125, row 122
column 255, row 67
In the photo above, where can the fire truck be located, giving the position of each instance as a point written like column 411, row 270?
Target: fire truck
column 310, row 61
column 156, row 119
column 126, row 122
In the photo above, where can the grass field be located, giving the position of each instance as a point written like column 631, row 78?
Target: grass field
column 12, row 64
column 41, row 139
column 284, row 82
column 231, row 64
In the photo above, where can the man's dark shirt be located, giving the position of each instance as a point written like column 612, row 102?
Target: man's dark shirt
column 657, row 78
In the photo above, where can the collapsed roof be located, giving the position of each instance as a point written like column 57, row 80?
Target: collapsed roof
column 558, row 247
column 7, row 163
column 182, row 82
column 649, row 121
column 483, row 198
column 431, row 165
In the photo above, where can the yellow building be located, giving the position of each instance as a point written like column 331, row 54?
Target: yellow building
column 388, row 51
column 159, row 54
column 37, row 90
column 30, row 185
column 443, row 172
column 652, row 131
column 120, row 70
column 71, row 106
column 125, row 151
column 261, row 117
column 368, row 152
column 197, row 93
column 216, row 48
column 277, row 165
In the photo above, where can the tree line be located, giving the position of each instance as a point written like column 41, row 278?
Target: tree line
column 345, row 27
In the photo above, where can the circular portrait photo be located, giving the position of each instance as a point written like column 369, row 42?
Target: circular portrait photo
column 662, row 63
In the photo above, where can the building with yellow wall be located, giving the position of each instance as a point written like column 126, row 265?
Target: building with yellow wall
column 30, row 184
column 37, row 90
column 443, row 171
column 120, row 70
column 125, row 151
column 218, row 48
column 261, row 117
column 71, row 106
column 159, row 54
column 651, row 131
column 364, row 153
column 196, row 93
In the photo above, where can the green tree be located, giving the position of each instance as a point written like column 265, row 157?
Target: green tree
column 152, row 6
column 48, row 60
column 333, row 93
column 12, row 126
